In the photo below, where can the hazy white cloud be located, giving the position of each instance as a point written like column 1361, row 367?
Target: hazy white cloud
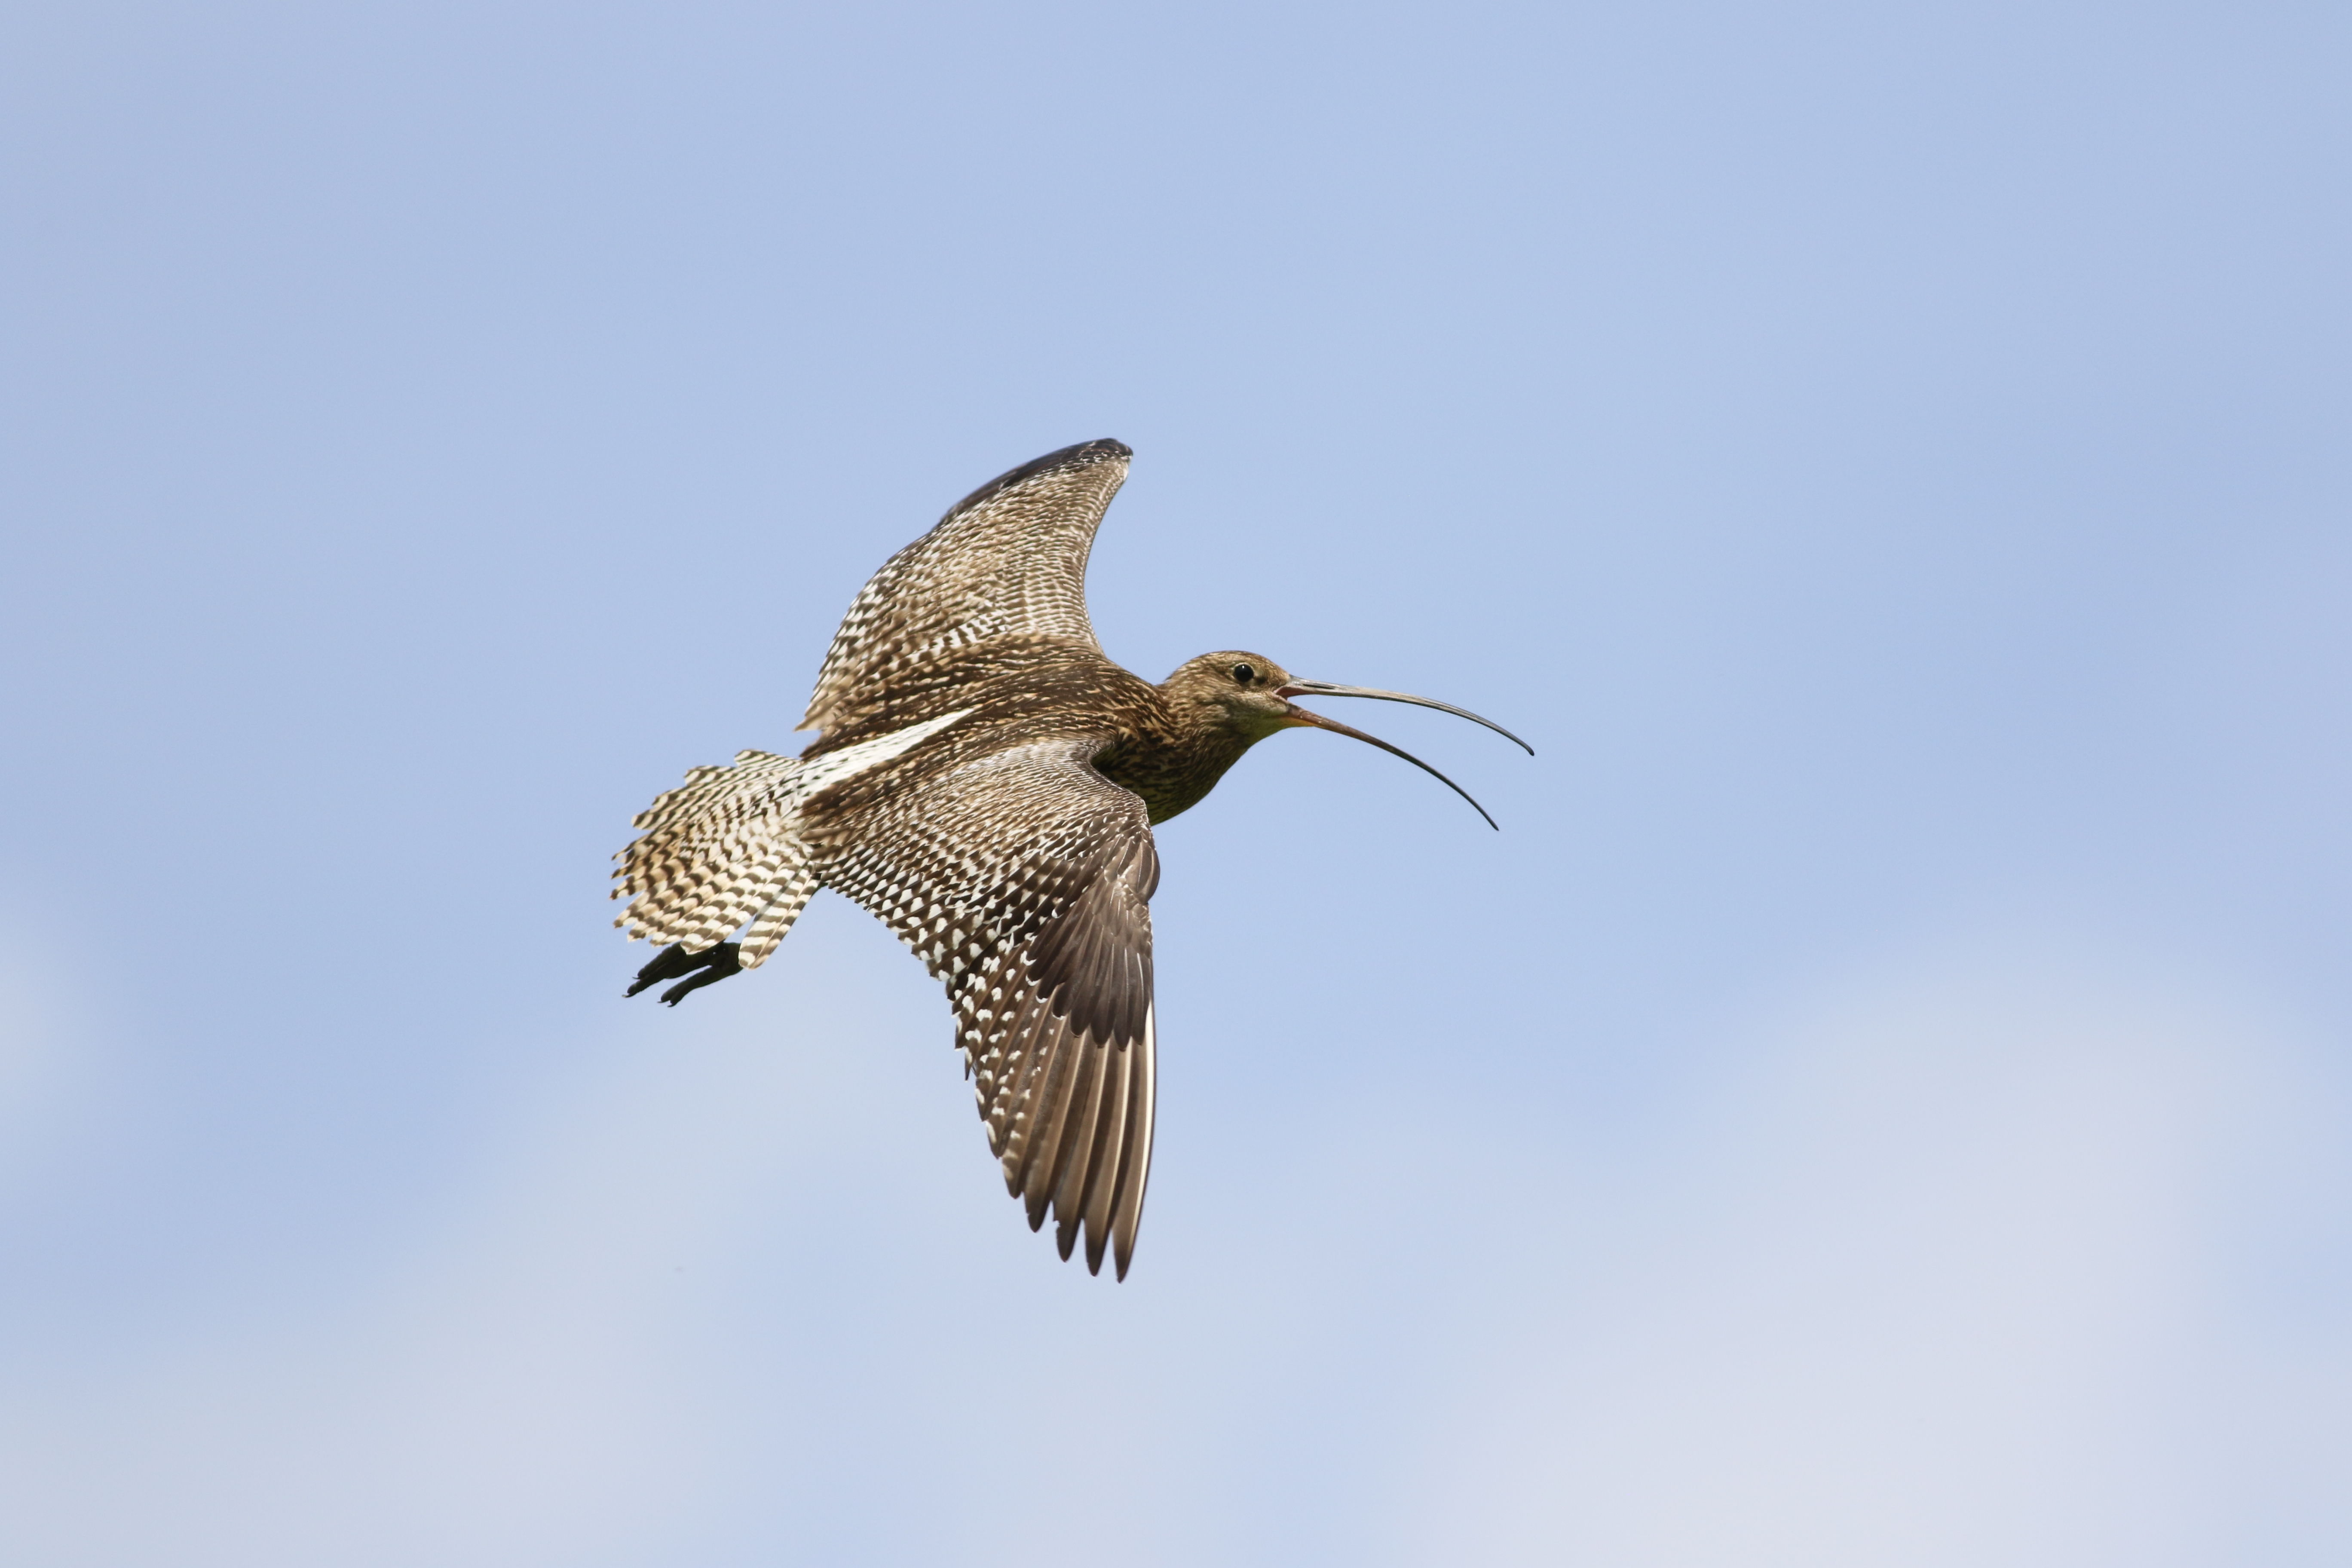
column 1947, row 1279
column 1960, row 1280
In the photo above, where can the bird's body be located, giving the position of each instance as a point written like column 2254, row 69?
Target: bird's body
column 985, row 784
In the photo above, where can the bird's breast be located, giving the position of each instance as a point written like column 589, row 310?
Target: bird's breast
column 1173, row 775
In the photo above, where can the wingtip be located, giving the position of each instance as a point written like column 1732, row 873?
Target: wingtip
column 1085, row 454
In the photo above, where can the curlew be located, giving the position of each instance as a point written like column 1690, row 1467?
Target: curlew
column 985, row 783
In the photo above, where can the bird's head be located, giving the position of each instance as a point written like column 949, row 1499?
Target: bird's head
column 1247, row 695
column 1234, row 692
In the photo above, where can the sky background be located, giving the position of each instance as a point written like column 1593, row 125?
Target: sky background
column 1881, row 1099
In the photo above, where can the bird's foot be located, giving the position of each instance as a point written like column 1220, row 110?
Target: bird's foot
column 672, row 962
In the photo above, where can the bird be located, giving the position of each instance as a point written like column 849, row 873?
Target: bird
column 986, row 781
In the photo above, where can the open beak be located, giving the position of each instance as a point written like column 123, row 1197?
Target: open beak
column 1301, row 717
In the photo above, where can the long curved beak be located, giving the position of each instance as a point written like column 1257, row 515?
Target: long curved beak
column 1327, row 688
column 1301, row 717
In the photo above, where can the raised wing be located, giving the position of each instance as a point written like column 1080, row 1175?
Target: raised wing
column 1022, row 879
column 1007, row 561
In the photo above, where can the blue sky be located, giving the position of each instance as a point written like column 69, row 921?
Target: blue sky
column 1881, row 1099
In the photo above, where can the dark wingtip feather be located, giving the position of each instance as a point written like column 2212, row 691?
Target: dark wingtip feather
column 1079, row 456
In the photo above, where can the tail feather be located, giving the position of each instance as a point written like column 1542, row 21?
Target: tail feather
column 717, row 851
column 724, row 848
column 770, row 925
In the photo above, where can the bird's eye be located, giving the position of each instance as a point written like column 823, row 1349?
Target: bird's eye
column 1245, row 673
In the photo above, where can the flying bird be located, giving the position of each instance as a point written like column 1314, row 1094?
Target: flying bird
column 985, row 783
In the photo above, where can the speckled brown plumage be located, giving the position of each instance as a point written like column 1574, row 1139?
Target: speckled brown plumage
column 985, row 784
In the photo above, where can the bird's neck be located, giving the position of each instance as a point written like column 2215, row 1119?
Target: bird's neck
column 1171, row 757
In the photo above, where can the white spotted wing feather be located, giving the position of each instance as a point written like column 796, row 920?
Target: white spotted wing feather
column 1023, row 880
column 1009, row 561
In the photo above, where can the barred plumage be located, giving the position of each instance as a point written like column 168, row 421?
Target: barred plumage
column 985, row 785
